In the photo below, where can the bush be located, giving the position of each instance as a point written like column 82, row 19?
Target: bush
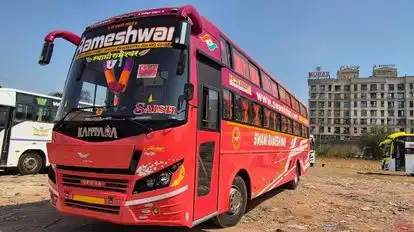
column 369, row 142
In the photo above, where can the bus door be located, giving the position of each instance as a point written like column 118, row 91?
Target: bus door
column 208, row 138
column 409, row 156
column 6, row 116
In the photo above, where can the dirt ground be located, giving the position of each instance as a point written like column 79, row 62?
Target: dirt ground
column 335, row 197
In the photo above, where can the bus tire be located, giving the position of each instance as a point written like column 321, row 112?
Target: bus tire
column 30, row 163
column 237, row 204
column 293, row 184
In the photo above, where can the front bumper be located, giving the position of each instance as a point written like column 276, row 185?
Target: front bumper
column 167, row 209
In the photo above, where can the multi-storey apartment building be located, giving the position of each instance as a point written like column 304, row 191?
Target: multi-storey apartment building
column 342, row 108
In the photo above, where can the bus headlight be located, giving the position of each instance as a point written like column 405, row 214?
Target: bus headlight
column 165, row 178
column 157, row 180
column 150, row 182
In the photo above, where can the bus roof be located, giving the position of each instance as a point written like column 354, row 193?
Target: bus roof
column 10, row 90
column 398, row 134
column 385, row 142
column 29, row 93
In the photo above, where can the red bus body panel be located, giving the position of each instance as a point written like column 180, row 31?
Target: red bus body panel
column 91, row 155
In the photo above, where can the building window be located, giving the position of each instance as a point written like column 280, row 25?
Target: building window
column 373, row 87
column 337, row 88
column 363, row 104
column 347, row 88
column 364, row 87
column 391, row 87
column 363, row 113
column 322, row 87
column 382, row 87
column 400, row 87
column 355, row 87
column 313, row 88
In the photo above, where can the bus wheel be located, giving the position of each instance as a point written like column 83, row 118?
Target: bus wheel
column 30, row 163
column 293, row 184
column 237, row 204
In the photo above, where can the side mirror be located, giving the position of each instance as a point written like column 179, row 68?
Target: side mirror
column 46, row 54
column 181, row 34
column 188, row 91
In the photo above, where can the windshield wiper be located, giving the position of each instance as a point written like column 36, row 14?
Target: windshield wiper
column 80, row 109
column 147, row 128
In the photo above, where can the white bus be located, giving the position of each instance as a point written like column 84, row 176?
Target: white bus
column 312, row 151
column 26, row 122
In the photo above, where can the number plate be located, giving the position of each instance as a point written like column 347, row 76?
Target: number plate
column 87, row 199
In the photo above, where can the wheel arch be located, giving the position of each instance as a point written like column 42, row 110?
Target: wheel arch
column 246, row 178
column 38, row 151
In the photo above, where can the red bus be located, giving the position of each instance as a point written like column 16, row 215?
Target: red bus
column 184, row 127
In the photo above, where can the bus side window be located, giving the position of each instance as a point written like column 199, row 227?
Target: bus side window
column 24, row 112
column 44, row 114
column 256, row 115
column 238, row 109
column 290, row 126
column 266, row 119
column 210, row 109
column 278, row 122
column 227, row 104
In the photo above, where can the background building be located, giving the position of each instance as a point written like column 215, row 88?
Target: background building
column 342, row 108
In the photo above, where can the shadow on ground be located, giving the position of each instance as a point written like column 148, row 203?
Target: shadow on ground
column 41, row 216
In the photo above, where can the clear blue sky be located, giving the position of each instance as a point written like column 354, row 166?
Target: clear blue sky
column 288, row 37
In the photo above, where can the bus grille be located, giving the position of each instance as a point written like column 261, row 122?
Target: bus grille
column 93, row 207
column 114, row 185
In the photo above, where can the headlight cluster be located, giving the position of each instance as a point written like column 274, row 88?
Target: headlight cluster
column 158, row 179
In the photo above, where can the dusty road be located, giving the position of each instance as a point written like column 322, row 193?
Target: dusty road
column 331, row 198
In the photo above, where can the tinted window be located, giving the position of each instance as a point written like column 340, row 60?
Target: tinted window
column 256, row 115
column 227, row 104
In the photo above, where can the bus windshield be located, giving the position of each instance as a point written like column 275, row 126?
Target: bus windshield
column 138, row 79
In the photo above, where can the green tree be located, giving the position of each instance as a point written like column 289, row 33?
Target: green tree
column 369, row 141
